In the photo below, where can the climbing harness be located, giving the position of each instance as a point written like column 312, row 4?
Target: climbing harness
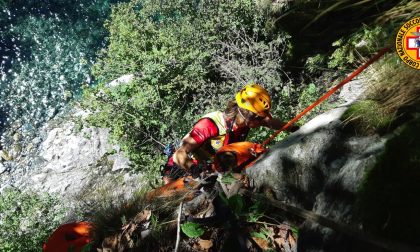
column 244, row 154
column 203, row 156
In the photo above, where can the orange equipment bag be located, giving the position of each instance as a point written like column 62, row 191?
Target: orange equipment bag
column 181, row 185
column 237, row 156
column 69, row 237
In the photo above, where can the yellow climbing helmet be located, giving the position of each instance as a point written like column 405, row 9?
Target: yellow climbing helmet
column 254, row 98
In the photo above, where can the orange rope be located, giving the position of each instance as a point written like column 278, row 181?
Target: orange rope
column 325, row 96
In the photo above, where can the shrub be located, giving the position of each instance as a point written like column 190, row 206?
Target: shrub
column 27, row 219
column 316, row 63
column 352, row 50
column 189, row 58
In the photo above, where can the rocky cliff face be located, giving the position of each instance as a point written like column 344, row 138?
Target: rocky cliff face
column 320, row 168
column 71, row 161
column 67, row 158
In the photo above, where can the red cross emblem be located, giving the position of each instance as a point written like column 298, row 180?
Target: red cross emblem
column 413, row 42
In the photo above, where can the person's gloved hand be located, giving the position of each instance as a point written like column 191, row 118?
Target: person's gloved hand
column 195, row 171
column 293, row 128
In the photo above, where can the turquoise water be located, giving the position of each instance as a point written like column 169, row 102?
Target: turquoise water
column 46, row 51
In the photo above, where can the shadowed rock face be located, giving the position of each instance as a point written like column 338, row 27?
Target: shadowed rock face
column 319, row 168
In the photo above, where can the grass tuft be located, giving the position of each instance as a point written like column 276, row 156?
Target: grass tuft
column 403, row 11
column 395, row 86
column 393, row 94
column 369, row 117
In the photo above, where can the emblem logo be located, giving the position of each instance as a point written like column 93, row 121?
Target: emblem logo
column 216, row 144
column 408, row 43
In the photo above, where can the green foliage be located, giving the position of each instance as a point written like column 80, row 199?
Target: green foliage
column 256, row 211
column 242, row 209
column 388, row 199
column 316, row 63
column 236, row 204
column 353, row 49
column 188, row 58
column 350, row 51
column 27, row 219
column 308, row 96
column 295, row 231
column 227, row 178
column 368, row 116
column 264, row 233
column 259, row 235
column 155, row 226
column 192, row 229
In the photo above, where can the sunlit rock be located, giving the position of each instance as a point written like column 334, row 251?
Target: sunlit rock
column 319, row 168
column 121, row 80
column 70, row 160
column 352, row 91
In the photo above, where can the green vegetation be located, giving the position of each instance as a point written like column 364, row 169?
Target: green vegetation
column 27, row 219
column 352, row 50
column 188, row 58
column 206, row 215
column 369, row 117
column 192, row 229
column 388, row 200
column 392, row 97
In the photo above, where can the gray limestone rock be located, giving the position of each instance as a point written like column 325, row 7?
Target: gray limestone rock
column 352, row 91
column 2, row 168
column 318, row 168
column 70, row 161
column 66, row 158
